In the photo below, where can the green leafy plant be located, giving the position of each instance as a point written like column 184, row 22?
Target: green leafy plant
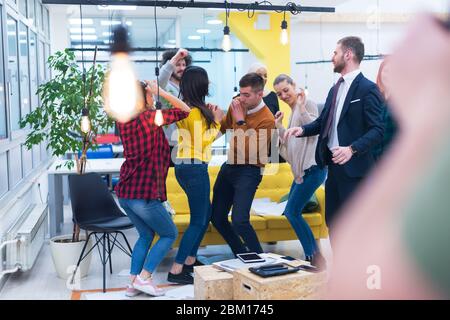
column 57, row 119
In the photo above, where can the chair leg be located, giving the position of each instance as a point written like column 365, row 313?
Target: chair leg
column 80, row 258
column 109, row 254
column 104, row 262
column 126, row 241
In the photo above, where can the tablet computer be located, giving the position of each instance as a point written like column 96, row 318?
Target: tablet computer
column 250, row 257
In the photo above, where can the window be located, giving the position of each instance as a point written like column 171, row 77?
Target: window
column 38, row 15
column 33, row 70
column 3, row 132
column 15, row 166
column 42, row 63
column 27, row 161
column 13, row 70
column 44, row 150
column 47, row 55
column 3, row 174
column 36, row 151
column 40, row 9
column 32, row 12
column 45, row 15
column 23, row 7
column 24, row 72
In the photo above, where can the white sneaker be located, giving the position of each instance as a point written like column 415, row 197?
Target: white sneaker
column 147, row 287
column 131, row 291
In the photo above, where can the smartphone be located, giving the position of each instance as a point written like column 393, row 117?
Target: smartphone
column 250, row 257
column 289, row 258
column 306, row 267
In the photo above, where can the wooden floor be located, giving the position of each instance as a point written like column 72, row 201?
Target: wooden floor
column 42, row 283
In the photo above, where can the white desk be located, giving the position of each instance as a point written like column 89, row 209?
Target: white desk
column 55, row 185
column 102, row 166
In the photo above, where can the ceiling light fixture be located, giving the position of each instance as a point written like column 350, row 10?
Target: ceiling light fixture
column 214, row 21
column 284, row 36
column 119, row 8
column 226, row 41
column 203, row 31
column 85, row 30
column 122, row 97
column 81, row 21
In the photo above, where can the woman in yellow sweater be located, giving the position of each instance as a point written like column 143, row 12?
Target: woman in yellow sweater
column 196, row 133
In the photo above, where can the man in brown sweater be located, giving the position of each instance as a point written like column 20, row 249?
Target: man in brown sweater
column 250, row 124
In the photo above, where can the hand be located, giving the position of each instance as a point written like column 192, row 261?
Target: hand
column 279, row 119
column 341, row 155
column 237, row 110
column 301, row 98
column 217, row 112
column 301, row 101
column 294, row 131
column 152, row 87
column 181, row 54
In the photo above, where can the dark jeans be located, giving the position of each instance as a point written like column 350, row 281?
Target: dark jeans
column 236, row 186
column 299, row 195
column 194, row 180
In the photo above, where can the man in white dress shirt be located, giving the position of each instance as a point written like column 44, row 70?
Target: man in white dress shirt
column 349, row 126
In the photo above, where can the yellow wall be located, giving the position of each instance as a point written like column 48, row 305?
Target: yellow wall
column 264, row 44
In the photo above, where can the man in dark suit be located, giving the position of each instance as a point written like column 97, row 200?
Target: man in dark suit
column 349, row 126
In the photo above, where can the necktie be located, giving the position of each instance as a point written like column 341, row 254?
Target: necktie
column 333, row 107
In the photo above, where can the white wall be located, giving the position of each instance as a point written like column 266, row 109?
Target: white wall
column 312, row 42
column 58, row 28
column 316, row 40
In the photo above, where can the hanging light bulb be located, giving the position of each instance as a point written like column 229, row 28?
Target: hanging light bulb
column 284, row 37
column 122, row 95
column 85, row 122
column 159, row 120
column 226, row 41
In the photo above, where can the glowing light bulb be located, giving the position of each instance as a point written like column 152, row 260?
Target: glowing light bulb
column 226, row 41
column 122, row 95
column 159, row 120
column 284, row 37
column 306, row 91
column 85, row 122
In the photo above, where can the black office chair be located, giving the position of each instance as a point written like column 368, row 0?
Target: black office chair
column 95, row 211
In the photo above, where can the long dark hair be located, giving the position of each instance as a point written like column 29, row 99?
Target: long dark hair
column 194, row 86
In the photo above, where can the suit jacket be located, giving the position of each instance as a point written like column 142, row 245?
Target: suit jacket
column 360, row 125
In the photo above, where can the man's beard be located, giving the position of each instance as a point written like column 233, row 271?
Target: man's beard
column 339, row 67
column 176, row 76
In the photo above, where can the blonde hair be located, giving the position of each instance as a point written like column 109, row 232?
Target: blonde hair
column 256, row 66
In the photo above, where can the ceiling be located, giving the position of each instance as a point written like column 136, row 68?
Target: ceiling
column 142, row 25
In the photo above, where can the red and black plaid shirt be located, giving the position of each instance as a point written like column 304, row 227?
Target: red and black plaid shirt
column 146, row 151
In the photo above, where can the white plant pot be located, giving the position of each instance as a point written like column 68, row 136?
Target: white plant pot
column 66, row 254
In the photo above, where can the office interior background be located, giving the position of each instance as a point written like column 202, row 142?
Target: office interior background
column 31, row 31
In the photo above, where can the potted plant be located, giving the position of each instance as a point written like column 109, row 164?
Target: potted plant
column 69, row 117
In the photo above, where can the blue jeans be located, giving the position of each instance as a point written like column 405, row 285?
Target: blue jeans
column 298, row 197
column 194, row 180
column 150, row 218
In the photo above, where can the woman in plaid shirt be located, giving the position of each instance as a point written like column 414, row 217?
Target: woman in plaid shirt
column 142, row 187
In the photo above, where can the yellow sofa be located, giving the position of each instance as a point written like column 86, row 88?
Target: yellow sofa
column 268, row 228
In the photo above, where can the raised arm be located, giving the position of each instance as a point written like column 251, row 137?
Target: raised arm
column 168, row 68
column 174, row 101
